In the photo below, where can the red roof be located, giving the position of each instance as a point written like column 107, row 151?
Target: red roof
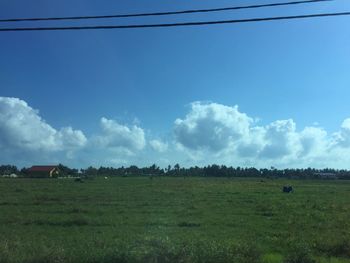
column 42, row 168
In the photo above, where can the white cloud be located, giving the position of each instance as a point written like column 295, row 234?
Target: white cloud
column 212, row 132
column 314, row 141
column 342, row 138
column 158, row 146
column 211, row 126
column 22, row 129
column 253, row 143
column 281, row 140
column 208, row 133
column 120, row 137
column 25, row 138
column 70, row 138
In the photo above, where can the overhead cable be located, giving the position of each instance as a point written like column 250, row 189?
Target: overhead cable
column 199, row 23
column 162, row 13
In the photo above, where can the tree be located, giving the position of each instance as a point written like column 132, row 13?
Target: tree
column 8, row 169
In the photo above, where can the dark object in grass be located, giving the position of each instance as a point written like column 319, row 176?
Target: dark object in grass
column 68, row 223
column 79, row 180
column 287, row 189
column 187, row 224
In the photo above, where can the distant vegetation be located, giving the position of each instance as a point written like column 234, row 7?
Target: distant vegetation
column 206, row 171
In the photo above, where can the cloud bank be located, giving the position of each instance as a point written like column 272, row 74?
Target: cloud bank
column 21, row 128
column 223, row 134
column 208, row 133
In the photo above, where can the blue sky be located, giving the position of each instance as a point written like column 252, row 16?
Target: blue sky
column 152, row 86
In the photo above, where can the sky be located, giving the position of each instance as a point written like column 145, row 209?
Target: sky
column 255, row 94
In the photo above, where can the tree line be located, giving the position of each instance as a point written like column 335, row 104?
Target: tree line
column 206, row 171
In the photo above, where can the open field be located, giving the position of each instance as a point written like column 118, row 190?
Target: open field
column 174, row 220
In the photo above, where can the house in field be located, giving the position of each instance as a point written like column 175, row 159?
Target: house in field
column 43, row 171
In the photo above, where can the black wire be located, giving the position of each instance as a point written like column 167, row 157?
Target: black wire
column 176, row 24
column 162, row 13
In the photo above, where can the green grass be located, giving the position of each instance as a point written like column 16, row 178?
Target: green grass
column 174, row 220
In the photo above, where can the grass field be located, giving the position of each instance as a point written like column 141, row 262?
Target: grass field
column 174, row 220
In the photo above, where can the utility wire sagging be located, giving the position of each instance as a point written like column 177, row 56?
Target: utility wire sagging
column 200, row 23
column 164, row 13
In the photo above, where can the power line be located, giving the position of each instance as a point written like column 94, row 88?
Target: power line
column 163, row 13
column 200, row 23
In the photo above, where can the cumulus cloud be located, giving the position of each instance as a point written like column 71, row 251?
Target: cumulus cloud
column 224, row 134
column 22, row 129
column 70, row 138
column 158, row 145
column 25, row 137
column 281, row 139
column 120, row 137
column 211, row 126
column 253, row 143
column 208, row 133
column 314, row 141
column 342, row 138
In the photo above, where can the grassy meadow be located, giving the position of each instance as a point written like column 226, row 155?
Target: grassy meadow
column 138, row 219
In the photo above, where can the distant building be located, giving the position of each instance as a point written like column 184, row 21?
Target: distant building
column 43, row 171
column 326, row 175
